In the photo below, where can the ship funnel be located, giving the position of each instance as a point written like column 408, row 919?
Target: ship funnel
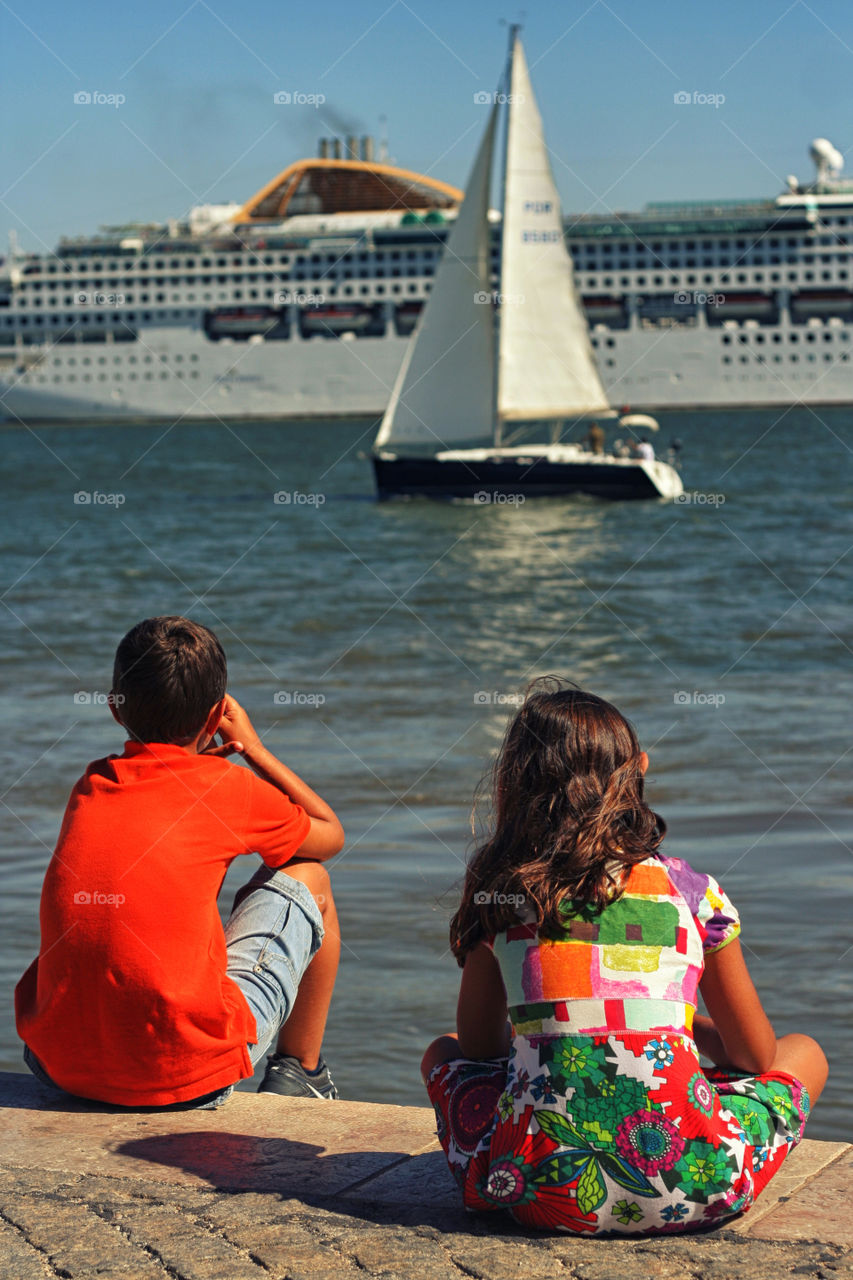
column 324, row 148
column 352, row 147
column 336, row 148
column 367, row 149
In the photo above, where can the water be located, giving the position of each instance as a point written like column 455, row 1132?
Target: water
column 721, row 628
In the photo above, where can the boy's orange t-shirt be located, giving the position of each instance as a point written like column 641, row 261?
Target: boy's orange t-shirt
column 129, row 1001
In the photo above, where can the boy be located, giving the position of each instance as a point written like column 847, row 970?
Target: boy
column 138, row 997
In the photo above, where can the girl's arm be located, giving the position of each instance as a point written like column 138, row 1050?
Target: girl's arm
column 481, row 1014
column 739, row 1032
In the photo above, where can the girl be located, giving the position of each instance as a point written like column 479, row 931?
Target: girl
column 572, row 1094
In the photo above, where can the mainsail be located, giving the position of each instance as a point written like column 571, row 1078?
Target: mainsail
column 545, row 364
column 444, row 393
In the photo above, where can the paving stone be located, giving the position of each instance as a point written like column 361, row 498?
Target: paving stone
column 18, row 1259
column 77, row 1243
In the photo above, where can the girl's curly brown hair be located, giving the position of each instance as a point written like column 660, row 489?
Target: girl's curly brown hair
column 569, row 816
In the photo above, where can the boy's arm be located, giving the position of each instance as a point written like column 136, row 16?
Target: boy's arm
column 326, row 836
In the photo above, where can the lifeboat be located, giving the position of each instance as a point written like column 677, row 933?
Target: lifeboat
column 240, row 322
column 406, row 317
column 821, row 303
column 331, row 320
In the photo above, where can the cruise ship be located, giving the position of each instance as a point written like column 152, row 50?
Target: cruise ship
column 300, row 302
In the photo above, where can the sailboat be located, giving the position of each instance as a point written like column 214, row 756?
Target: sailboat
column 486, row 364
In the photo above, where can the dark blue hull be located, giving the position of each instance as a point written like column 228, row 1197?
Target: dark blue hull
column 487, row 480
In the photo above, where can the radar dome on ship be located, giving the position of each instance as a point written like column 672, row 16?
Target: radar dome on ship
column 826, row 156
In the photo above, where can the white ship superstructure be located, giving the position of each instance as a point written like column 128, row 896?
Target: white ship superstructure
column 300, row 302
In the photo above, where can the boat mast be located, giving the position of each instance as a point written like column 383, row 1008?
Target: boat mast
column 514, row 29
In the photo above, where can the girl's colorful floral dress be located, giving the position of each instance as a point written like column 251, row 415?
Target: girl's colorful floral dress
column 602, row 1118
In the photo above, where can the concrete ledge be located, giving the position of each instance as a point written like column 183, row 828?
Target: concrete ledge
column 286, row 1188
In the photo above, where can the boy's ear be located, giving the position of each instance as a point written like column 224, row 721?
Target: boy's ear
column 113, row 706
column 211, row 724
column 644, row 761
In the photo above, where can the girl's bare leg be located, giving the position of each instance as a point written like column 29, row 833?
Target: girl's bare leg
column 444, row 1049
column 302, row 1034
column 803, row 1058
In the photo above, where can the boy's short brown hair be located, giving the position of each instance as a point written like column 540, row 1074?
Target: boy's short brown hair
column 168, row 674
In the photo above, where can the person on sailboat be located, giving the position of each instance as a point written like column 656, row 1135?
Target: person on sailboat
column 595, row 438
column 644, row 450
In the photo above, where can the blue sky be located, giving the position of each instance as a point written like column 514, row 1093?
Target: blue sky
column 199, row 122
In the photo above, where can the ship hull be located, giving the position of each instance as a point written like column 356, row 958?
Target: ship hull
column 196, row 379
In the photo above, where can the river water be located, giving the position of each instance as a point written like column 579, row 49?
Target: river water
column 396, row 637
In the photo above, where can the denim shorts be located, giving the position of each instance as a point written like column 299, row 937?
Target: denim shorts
column 274, row 931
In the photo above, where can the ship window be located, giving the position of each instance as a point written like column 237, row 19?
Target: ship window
column 726, row 339
column 193, row 357
column 657, row 280
column 827, row 337
column 792, row 275
column 808, row 275
column 727, row 359
column 826, row 275
column 624, row 281
column 741, row 277
column 827, row 355
column 777, row 337
column 793, row 337
column 810, row 337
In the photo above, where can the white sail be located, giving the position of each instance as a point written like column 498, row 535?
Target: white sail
column 546, row 368
column 444, row 393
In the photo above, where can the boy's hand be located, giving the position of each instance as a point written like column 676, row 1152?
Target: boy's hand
column 236, row 730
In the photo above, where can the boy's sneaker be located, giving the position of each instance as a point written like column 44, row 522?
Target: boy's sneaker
column 288, row 1077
